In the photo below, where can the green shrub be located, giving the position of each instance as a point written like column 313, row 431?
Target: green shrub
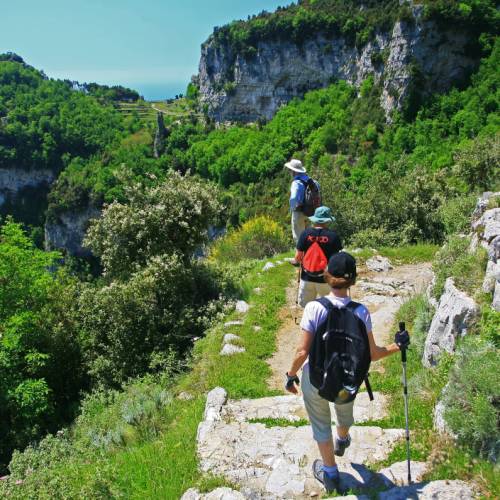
column 455, row 214
column 489, row 325
column 453, row 260
column 472, row 395
column 258, row 238
column 373, row 237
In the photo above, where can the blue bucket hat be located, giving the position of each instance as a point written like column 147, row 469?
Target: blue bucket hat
column 322, row 215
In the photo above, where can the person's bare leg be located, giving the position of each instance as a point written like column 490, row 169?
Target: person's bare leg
column 326, row 450
column 342, row 432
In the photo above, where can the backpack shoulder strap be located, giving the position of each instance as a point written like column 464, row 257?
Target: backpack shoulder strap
column 352, row 305
column 325, row 303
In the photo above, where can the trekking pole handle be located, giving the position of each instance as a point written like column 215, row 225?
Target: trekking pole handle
column 402, row 328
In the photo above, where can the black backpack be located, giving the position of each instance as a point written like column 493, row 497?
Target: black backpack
column 312, row 197
column 339, row 358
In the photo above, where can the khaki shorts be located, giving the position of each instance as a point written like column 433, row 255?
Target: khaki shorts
column 309, row 291
column 318, row 410
column 299, row 222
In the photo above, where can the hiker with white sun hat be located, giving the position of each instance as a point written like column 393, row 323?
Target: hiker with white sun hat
column 305, row 197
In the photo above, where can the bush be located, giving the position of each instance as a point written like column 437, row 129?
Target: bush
column 489, row 325
column 172, row 217
column 455, row 214
column 256, row 239
column 453, row 260
column 471, row 398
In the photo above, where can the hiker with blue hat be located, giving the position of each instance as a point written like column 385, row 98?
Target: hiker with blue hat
column 314, row 248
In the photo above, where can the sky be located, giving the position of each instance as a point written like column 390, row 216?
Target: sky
column 152, row 46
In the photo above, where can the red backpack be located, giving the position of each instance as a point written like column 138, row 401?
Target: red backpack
column 314, row 262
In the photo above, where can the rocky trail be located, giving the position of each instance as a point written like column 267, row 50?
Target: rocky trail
column 265, row 447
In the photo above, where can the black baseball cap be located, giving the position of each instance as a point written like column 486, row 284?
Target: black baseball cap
column 342, row 265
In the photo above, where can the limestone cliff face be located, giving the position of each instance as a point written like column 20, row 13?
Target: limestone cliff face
column 13, row 181
column 67, row 231
column 235, row 88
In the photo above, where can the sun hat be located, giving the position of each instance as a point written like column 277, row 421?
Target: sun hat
column 322, row 215
column 342, row 265
column 295, row 166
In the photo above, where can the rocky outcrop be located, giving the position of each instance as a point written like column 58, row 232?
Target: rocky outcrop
column 160, row 136
column 455, row 314
column 13, row 181
column 247, row 89
column 68, row 229
column 486, row 233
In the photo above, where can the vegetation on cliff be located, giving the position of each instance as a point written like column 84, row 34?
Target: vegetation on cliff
column 357, row 21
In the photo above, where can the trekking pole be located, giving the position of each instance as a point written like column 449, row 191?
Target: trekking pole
column 402, row 328
column 298, row 291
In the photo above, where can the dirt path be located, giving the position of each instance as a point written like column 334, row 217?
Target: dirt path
column 383, row 293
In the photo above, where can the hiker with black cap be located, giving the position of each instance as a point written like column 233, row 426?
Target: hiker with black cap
column 305, row 197
column 338, row 343
column 315, row 247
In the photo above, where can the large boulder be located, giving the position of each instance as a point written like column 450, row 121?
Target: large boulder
column 454, row 316
column 379, row 264
column 482, row 204
column 488, row 225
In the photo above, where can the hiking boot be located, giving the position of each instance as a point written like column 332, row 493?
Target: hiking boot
column 331, row 483
column 341, row 445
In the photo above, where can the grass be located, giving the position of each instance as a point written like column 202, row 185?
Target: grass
column 406, row 254
column 164, row 465
column 279, row 422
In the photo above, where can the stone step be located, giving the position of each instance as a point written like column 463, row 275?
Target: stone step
column 276, row 462
column 292, row 408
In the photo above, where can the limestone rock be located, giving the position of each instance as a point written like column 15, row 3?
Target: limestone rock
column 291, row 408
column 494, row 249
column 216, row 398
column 482, row 204
column 242, row 306
column 275, row 462
column 217, row 494
column 496, row 297
column 379, row 264
column 68, row 231
column 442, row 490
column 488, row 225
column 16, row 184
column 230, row 349
column 491, row 277
column 230, row 338
column 257, row 328
column 280, row 70
column 454, row 315
column 160, row 136
column 397, row 474
column 268, row 265
column 229, row 324
column 378, row 288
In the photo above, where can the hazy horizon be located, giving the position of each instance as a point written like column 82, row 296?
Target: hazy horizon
column 149, row 48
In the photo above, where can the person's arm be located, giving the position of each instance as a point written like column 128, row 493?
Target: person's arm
column 300, row 357
column 379, row 352
column 296, row 195
column 299, row 255
column 301, row 247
